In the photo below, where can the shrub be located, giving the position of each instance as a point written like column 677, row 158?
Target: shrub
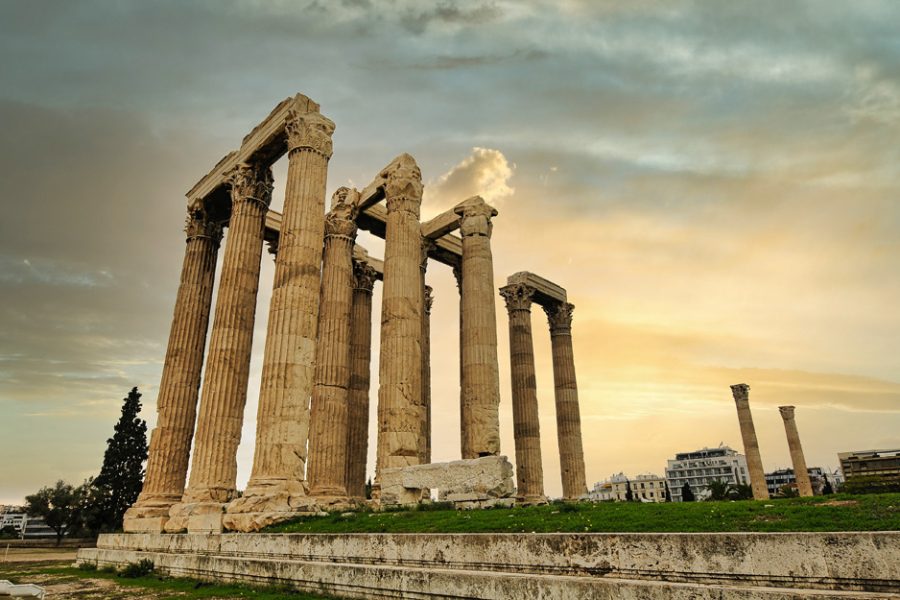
column 141, row 568
column 87, row 566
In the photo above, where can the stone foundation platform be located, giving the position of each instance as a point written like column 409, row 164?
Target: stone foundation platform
column 808, row 566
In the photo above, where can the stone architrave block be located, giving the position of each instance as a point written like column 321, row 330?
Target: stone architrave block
column 472, row 482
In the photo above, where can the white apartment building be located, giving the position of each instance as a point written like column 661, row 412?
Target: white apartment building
column 700, row 467
column 644, row 488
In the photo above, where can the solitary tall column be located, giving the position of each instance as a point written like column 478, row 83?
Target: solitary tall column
column 360, row 365
column 400, row 410
column 568, row 414
column 328, row 435
column 741, row 393
column 214, row 465
column 801, row 474
column 480, row 402
column 176, row 405
column 282, row 426
column 526, row 424
column 426, row 372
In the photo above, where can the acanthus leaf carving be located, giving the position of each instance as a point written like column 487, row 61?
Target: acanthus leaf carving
column 517, row 296
column 251, row 182
column 364, row 276
column 475, row 217
column 559, row 316
column 341, row 219
column 310, row 131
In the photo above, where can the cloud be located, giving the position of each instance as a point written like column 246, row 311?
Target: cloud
column 485, row 172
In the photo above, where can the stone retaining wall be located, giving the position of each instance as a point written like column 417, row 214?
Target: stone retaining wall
column 499, row 566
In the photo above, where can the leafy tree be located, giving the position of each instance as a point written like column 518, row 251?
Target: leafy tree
column 369, row 488
column 789, row 491
column 629, row 495
column 741, row 491
column 687, row 495
column 122, row 475
column 718, row 490
column 59, row 506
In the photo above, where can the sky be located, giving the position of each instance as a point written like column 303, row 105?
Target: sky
column 717, row 186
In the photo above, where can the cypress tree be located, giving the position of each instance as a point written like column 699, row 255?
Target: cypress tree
column 122, row 475
column 687, row 494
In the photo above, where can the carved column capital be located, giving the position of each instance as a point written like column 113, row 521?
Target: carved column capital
column 364, row 276
column 198, row 224
column 518, row 296
column 560, row 318
column 341, row 219
column 403, row 185
column 309, row 131
column 427, row 246
column 475, row 217
column 741, row 392
column 787, row 412
column 429, row 299
column 251, row 182
column 457, row 274
column 273, row 246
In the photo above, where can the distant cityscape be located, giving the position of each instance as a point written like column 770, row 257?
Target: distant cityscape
column 701, row 470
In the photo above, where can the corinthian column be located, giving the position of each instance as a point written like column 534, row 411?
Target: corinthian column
column 480, row 402
column 526, row 424
column 801, row 474
column 568, row 414
column 276, row 483
column 176, row 405
column 214, row 466
column 426, row 372
column 328, row 434
column 360, row 359
column 741, row 393
column 400, row 411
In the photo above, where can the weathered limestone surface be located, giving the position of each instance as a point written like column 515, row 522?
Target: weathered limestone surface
column 526, row 424
column 400, row 410
column 176, row 405
column 329, row 426
column 214, row 466
column 741, row 393
column 472, row 483
column 360, row 359
column 568, row 415
column 277, row 487
column 783, row 566
column 480, row 395
column 797, row 459
column 426, row 373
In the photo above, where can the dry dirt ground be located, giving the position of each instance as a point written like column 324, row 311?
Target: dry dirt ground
column 31, row 565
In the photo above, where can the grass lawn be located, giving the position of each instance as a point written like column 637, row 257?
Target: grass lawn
column 64, row 582
column 841, row 512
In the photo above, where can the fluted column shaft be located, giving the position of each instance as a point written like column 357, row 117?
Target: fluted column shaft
column 526, row 422
column 282, row 425
column 568, row 414
column 426, row 372
column 214, row 466
column 329, row 431
column 400, row 411
column 176, row 405
column 741, row 393
column 480, row 396
column 360, row 365
column 801, row 473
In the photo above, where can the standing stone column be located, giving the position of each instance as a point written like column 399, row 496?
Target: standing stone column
column 480, row 420
column 360, row 365
column 526, row 423
column 568, row 415
column 276, row 483
column 801, row 474
column 400, row 411
column 176, row 405
column 741, row 393
column 426, row 373
column 328, row 435
column 214, row 465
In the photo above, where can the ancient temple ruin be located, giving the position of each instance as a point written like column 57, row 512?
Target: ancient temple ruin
column 311, row 430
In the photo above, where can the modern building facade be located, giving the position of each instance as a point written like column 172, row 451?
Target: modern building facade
column 779, row 478
column 701, row 467
column 883, row 463
column 649, row 488
column 613, row 489
column 646, row 487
